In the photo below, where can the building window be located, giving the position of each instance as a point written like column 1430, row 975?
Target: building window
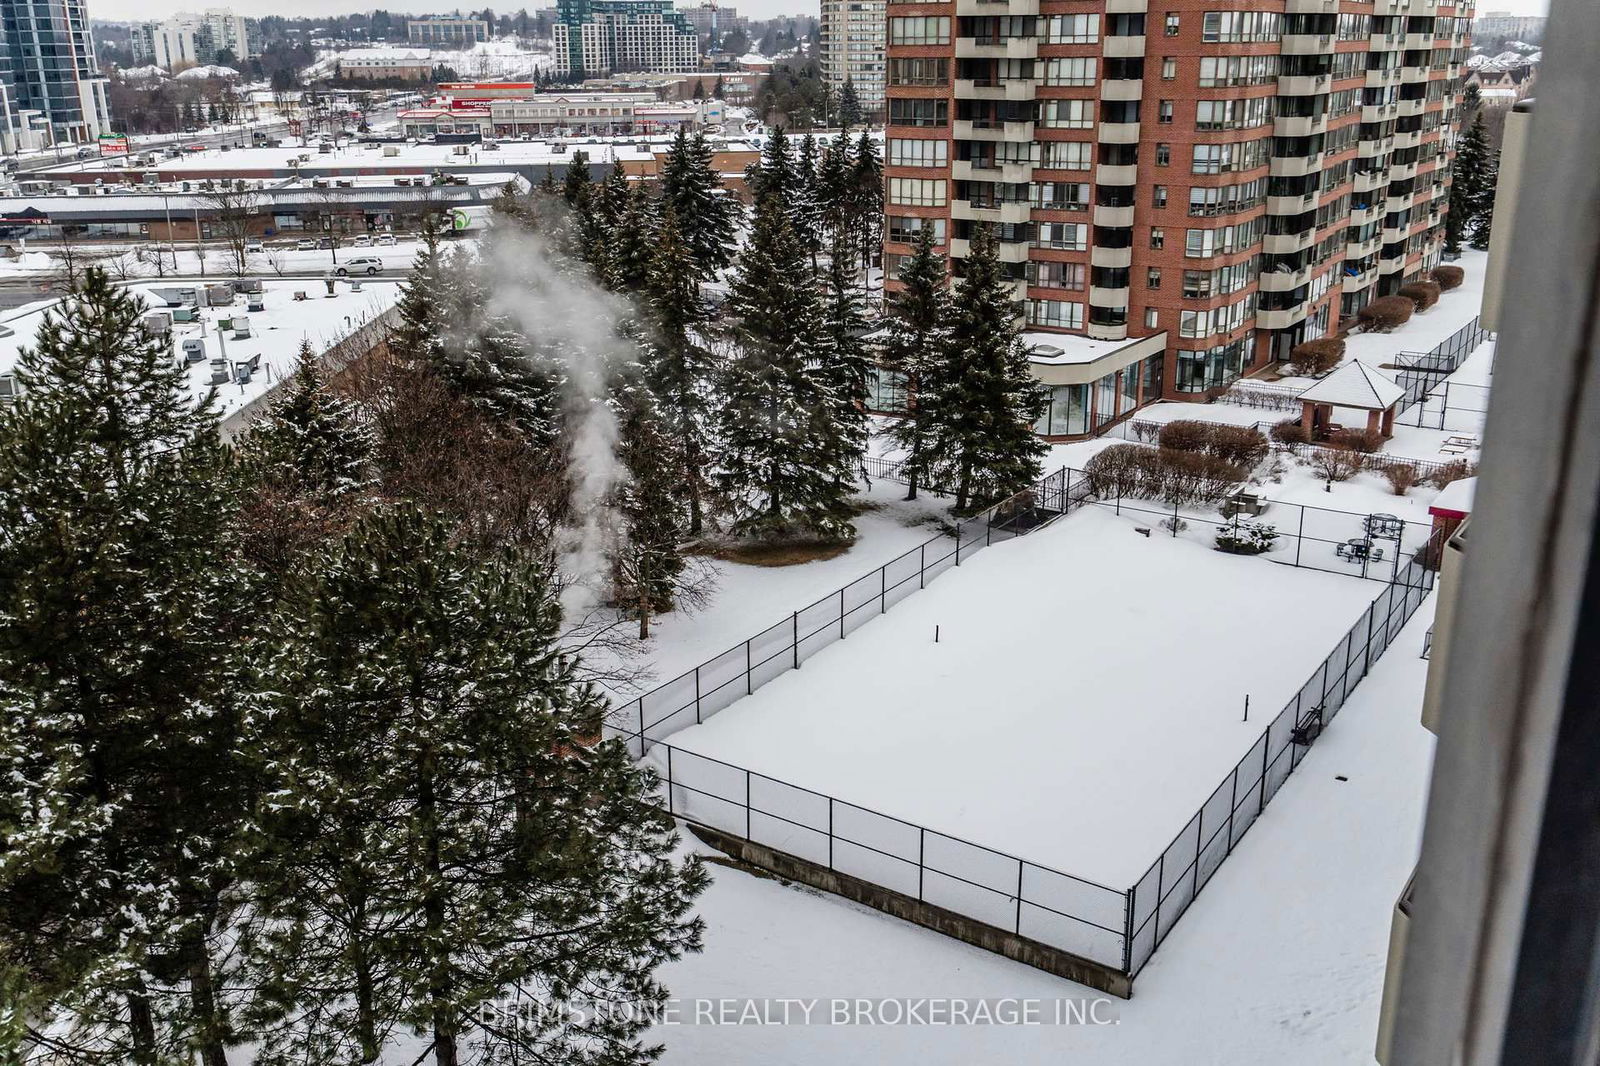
column 1169, row 68
column 1055, row 314
column 1172, row 23
column 1068, row 413
column 920, row 72
column 1066, row 114
column 1152, row 318
column 917, row 192
column 1163, row 154
column 926, row 113
column 1164, row 112
column 1241, row 26
column 1048, row 275
column 1158, row 197
column 1062, row 236
column 920, row 29
column 904, row 229
column 909, row 152
column 1158, row 238
column 1073, row 29
column 1073, row 71
column 1066, row 155
column 1152, row 278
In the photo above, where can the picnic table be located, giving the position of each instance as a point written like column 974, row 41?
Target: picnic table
column 1359, row 550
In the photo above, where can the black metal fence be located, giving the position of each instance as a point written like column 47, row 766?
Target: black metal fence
column 1422, row 372
column 697, row 694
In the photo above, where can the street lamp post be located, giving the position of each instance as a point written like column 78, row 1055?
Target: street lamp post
column 172, row 244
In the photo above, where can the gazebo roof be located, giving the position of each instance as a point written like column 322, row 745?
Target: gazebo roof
column 1355, row 385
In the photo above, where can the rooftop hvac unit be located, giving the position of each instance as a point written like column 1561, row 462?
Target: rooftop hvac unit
column 219, row 372
column 256, row 304
column 241, row 327
column 193, row 349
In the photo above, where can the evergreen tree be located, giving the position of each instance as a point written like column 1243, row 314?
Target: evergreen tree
column 849, row 106
column 1483, row 204
column 918, row 323
column 719, row 89
column 981, row 398
column 805, row 206
column 845, row 365
column 773, row 175
column 866, row 191
column 510, row 204
column 466, row 846
column 833, row 193
column 646, row 561
column 417, row 307
column 548, row 186
column 1467, row 184
column 632, row 244
column 705, row 214
column 612, row 199
column 786, row 465
column 699, row 89
column 123, row 796
column 680, row 367
column 577, row 187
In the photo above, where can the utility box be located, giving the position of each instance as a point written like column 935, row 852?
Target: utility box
column 156, row 324
column 185, row 314
column 248, row 285
column 219, row 295
column 256, row 304
column 219, row 372
column 193, row 349
column 390, row 150
column 240, row 326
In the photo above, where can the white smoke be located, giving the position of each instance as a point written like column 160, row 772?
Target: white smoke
column 561, row 310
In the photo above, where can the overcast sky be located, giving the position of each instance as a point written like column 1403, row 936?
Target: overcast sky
column 129, row 10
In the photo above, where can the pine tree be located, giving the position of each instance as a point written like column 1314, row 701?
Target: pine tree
column 435, row 780
column 833, row 193
column 1467, row 183
column 773, row 175
column 577, row 187
column 866, row 192
column 918, row 325
column 510, row 205
column 805, row 207
column 646, row 561
column 632, row 243
column 548, row 186
column 846, row 364
column 123, row 797
column 1483, row 204
column 981, row 398
column 849, row 106
column 699, row 89
column 680, row 367
column 786, row 465
column 612, row 199
column 718, row 90
column 705, row 213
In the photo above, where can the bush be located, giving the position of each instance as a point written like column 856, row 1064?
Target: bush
column 1129, row 470
column 1403, row 477
column 1186, row 436
column 1239, row 446
column 1365, row 441
column 1422, row 293
column 1122, row 470
column 1245, row 536
column 1386, row 313
column 1196, row 477
column 1317, row 357
column 1335, row 464
column 1448, row 277
column 1290, row 432
column 1454, row 470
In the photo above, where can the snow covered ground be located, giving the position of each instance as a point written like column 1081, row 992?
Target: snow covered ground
column 1084, row 697
column 1278, row 963
column 277, row 256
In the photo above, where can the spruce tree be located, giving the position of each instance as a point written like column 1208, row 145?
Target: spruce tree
column 509, row 205
column 612, row 198
column 548, row 186
column 866, row 198
column 833, row 194
column 1483, row 204
column 918, row 323
column 786, row 465
column 437, row 743
column 773, row 175
column 805, row 206
column 646, row 560
column 706, row 214
column 981, row 398
column 632, row 244
column 577, row 188
column 679, row 367
column 1467, row 182
column 121, row 611
column 846, row 364
column 849, row 106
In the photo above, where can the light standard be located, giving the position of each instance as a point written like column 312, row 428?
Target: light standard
column 172, row 244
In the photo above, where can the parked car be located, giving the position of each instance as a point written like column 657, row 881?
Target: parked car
column 363, row 241
column 305, row 244
column 362, row 264
column 324, row 242
column 385, row 240
column 253, row 247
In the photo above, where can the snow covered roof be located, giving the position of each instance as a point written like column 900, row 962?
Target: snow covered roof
column 209, row 72
column 1063, row 348
column 1355, row 385
column 149, row 70
column 1455, row 498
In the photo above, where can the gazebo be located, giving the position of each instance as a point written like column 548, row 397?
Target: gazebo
column 1355, row 386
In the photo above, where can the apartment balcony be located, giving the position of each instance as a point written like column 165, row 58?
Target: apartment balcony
column 1108, row 297
column 1121, row 89
column 1384, row 42
column 1005, row 251
column 1362, row 249
column 1378, row 79
column 1378, row 112
column 1283, row 281
column 1369, row 180
column 1289, row 243
column 1118, row 132
column 1395, row 265
column 1408, row 140
column 1299, row 125
column 1414, row 75
column 1110, row 257
column 997, row 47
column 1281, row 319
column 1402, row 171
column 1307, row 43
column 1015, row 132
column 977, row 170
column 997, row 89
column 1417, row 42
column 997, row 7
column 1395, row 234
column 1377, row 146
column 1309, row 7
column 1294, row 166
column 1103, row 332
column 1361, row 281
column 1118, row 217
column 1105, row 174
column 1008, row 212
column 1291, row 205
column 1126, row 7
column 1410, row 107
column 1302, row 84
column 1124, row 47
column 1398, row 202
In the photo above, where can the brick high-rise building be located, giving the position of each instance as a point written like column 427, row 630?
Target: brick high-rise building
column 1183, row 191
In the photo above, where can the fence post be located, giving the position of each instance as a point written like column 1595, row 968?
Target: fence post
column 1233, row 800
column 749, row 671
column 747, row 805
column 922, row 566
column 841, row 612
column 1174, row 520
column 830, row 832
column 1199, row 842
column 1129, row 903
column 1300, row 537
column 883, row 588
column 697, row 695
column 641, row 727
column 795, row 619
column 922, row 847
column 669, row 780
column 958, row 542
column 1266, row 752
column 1019, row 897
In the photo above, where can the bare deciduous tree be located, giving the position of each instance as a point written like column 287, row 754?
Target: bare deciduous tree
column 233, row 209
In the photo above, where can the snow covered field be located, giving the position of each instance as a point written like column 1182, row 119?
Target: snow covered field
column 1279, row 962
column 1085, row 695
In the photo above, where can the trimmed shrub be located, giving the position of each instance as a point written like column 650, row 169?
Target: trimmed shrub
column 1335, row 464
column 1186, row 435
column 1173, row 477
column 1290, row 432
column 1246, row 536
column 1365, row 441
column 1122, row 470
column 1317, row 357
column 1386, row 313
column 1422, row 293
column 1402, row 477
column 1448, row 277
column 1195, row 477
column 1239, row 446
column 1454, row 470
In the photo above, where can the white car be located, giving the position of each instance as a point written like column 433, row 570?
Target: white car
column 365, row 264
column 254, row 248
column 305, row 244
column 385, row 240
column 363, row 241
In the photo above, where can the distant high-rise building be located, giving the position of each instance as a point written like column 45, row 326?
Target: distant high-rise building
column 1505, row 24
column 234, row 34
column 853, row 46
column 448, row 31
column 48, row 72
column 598, row 37
column 713, row 20
column 188, row 39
